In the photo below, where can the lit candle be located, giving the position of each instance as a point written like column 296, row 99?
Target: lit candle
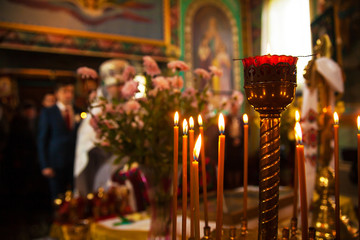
column 175, row 180
column 220, row 187
column 302, row 180
column 246, row 139
column 203, row 169
column 184, row 178
column 195, row 167
column 337, row 180
column 191, row 147
column 296, row 183
column 358, row 151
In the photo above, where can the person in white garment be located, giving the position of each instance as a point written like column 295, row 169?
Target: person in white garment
column 93, row 166
column 324, row 78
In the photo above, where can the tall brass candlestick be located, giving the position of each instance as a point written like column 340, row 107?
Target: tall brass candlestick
column 337, row 180
column 203, row 169
column 270, row 83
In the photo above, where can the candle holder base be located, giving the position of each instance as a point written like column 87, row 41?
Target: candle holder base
column 207, row 233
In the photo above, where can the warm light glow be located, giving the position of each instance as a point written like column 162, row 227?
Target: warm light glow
column 221, row 124
column 268, row 49
column 298, row 133
column 200, row 120
column 58, row 201
column 197, row 148
column 336, row 118
column 176, row 119
column 191, row 123
column 358, row 123
column 83, row 115
column 185, row 127
column 90, row 196
column 297, row 116
column 141, row 79
column 245, row 118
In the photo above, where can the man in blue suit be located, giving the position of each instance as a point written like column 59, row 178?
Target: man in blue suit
column 56, row 139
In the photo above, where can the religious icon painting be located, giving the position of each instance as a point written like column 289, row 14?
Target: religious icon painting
column 211, row 36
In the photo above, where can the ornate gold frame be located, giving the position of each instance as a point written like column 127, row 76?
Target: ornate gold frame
column 192, row 9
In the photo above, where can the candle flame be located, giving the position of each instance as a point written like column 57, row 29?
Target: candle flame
column 297, row 116
column 268, row 49
column 298, row 133
column 191, row 123
column 197, row 148
column 221, row 124
column 336, row 118
column 245, row 118
column 200, row 120
column 176, row 119
column 185, row 127
column 358, row 123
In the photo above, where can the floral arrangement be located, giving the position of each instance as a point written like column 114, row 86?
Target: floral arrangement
column 141, row 129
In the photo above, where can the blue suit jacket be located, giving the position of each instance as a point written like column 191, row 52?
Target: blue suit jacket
column 56, row 144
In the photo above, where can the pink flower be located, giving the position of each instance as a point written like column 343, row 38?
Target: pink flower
column 111, row 124
column 139, row 122
column 216, row 71
column 153, row 92
column 109, row 108
column 161, row 83
column 202, row 73
column 105, row 143
column 176, row 82
column 119, row 108
column 178, row 65
column 129, row 89
column 237, row 97
column 131, row 106
column 194, row 104
column 189, row 92
column 209, row 94
column 129, row 73
column 151, row 67
column 86, row 72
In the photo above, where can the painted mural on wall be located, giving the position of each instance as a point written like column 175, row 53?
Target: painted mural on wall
column 213, row 45
column 101, row 16
column 122, row 28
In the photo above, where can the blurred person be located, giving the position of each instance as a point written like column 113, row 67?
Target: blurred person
column 112, row 76
column 93, row 165
column 20, row 151
column 56, row 139
column 49, row 100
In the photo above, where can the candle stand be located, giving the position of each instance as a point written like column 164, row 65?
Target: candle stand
column 269, row 83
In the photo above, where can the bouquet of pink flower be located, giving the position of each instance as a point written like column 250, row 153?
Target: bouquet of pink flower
column 142, row 128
